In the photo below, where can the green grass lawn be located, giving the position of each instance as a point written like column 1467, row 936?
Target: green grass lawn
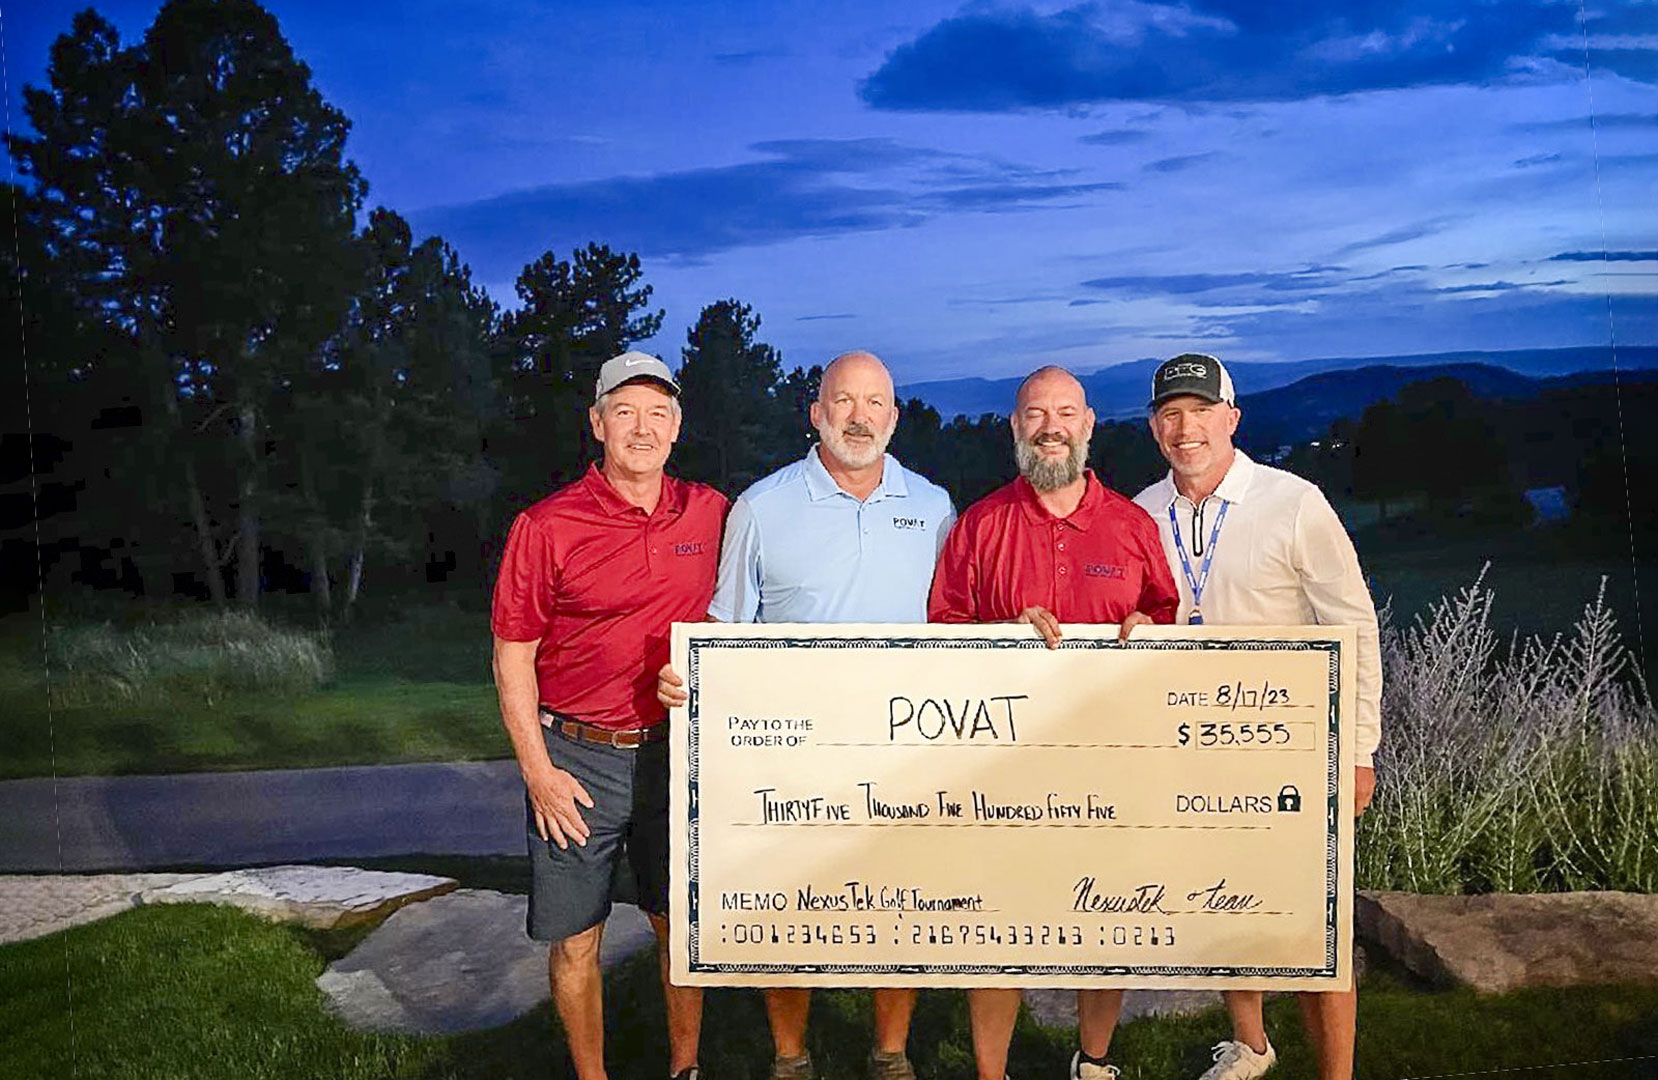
column 188, row 994
column 353, row 722
column 192, row 992
column 413, row 689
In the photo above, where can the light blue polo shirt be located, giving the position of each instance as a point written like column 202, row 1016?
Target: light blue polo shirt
column 799, row 549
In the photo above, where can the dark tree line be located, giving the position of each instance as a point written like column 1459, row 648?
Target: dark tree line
column 1438, row 447
column 241, row 379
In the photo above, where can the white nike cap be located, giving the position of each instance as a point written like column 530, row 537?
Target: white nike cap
column 631, row 367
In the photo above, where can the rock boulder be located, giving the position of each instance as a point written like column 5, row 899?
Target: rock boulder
column 321, row 897
column 1502, row 941
column 460, row 962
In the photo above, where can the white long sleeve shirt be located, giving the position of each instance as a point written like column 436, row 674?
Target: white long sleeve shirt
column 1282, row 558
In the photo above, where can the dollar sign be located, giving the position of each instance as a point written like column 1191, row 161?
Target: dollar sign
column 1185, row 733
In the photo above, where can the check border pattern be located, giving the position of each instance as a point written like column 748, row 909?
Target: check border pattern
column 696, row 646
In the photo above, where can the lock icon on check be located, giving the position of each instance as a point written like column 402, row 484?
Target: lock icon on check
column 1289, row 799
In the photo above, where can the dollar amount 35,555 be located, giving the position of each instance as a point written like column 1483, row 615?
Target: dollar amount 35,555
column 1227, row 733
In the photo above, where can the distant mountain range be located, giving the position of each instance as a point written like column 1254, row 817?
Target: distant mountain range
column 1322, row 390
column 1304, row 409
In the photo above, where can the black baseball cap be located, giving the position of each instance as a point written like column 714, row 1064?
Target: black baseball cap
column 1192, row 373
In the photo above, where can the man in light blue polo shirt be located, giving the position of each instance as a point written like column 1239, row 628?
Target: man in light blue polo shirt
column 846, row 534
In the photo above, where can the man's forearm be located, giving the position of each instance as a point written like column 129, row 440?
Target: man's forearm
column 528, row 744
column 515, row 689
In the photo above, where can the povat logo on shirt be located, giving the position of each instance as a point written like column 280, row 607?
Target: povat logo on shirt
column 909, row 523
column 1104, row 570
column 690, row 547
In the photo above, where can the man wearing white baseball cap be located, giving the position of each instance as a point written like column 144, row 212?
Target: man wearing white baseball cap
column 592, row 578
column 633, row 367
column 1254, row 545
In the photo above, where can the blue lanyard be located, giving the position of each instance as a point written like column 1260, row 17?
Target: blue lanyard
column 1201, row 580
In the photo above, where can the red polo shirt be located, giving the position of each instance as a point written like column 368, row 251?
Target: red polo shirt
column 1008, row 553
column 596, row 582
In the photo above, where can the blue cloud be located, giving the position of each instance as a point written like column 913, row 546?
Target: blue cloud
column 1310, row 279
column 1003, row 301
column 1605, row 256
column 1390, row 271
column 1328, row 285
column 1604, row 22
column 1180, row 163
column 802, row 188
column 1638, row 64
column 1115, row 137
column 691, row 214
column 1499, row 286
column 1601, row 121
column 847, row 155
column 820, row 318
column 1536, row 159
column 1211, row 333
column 1012, row 196
column 1402, row 318
column 1401, row 235
column 987, row 59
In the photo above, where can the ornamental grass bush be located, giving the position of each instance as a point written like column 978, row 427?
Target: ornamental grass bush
column 1520, row 766
column 197, row 658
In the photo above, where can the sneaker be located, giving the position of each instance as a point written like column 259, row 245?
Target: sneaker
column 689, row 1073
column 890, row 1066
column 795, row 1068
column 1236, row 1061
column 1087, row 1070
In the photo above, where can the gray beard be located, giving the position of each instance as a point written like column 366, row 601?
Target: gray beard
column 1050, row 475
column 843, row 452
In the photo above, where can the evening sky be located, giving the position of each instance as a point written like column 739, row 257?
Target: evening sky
column 979, row 189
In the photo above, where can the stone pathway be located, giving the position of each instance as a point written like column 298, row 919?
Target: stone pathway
column 321, row 897
column 317, row 896
column 32, row 907
column 460, row 962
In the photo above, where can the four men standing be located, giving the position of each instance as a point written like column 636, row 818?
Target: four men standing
column 594, row 576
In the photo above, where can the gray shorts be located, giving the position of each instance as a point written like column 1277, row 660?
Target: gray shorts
column 626, row 855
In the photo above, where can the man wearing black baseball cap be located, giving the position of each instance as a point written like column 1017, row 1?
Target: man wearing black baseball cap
column 1198, row 374
column 1254, row 545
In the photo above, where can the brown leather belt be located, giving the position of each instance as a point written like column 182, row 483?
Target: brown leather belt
column 629, row 739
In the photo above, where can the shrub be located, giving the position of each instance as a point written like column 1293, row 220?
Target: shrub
column 199, row 657
column 1527, row 768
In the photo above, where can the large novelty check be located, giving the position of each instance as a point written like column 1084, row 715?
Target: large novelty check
column 962, row 806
